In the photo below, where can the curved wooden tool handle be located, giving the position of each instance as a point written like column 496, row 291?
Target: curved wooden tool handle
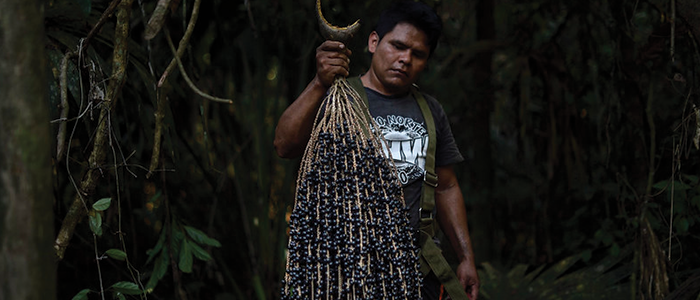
column 335, row 33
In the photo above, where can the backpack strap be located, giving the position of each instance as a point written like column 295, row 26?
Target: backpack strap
column 431, row 255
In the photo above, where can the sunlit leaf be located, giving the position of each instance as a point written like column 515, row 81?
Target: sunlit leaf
column 116, row 254
column 126, row 287
column 200, row 237
column 82, row 295
column 102, row 204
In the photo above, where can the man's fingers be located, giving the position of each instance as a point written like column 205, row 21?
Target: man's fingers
column 333, row 46
column 473, row 292
column 332, row 59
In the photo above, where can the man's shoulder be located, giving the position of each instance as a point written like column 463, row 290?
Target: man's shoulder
column 433, row 103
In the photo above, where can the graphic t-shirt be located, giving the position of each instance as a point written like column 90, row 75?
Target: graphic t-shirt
column 403, row 126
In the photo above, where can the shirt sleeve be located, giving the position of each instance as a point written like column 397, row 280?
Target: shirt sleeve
column 446, row 152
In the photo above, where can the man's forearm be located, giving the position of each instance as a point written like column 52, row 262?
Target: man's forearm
column 452, row 215
column 294, row 126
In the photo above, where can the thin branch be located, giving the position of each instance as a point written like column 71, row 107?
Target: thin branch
column 673, row 189
column 63, row 127
column 652, row 143
column 187, row 78
column 60, row 145
column 250, row 16
column 99, row 152
column 103, row 19
column 673, row 30
column 161, row 102
column 157, row 18
column 183, row 42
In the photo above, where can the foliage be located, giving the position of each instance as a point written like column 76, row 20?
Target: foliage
column 606, row 279
column 591, row 111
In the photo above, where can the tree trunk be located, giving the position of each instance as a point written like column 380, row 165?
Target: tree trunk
column 27, row 267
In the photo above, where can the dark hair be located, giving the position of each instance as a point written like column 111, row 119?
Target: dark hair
column 415, row 13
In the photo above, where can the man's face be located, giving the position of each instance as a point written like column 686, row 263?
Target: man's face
column 398, row 58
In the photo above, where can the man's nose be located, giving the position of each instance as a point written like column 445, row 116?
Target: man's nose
column 405, row 58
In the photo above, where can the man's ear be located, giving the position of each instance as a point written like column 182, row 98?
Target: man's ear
column 372, row 42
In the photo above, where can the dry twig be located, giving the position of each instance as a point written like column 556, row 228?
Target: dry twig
column 183, row 42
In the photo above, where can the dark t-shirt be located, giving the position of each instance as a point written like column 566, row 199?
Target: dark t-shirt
column 403, row 126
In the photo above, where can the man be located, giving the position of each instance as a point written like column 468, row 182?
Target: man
column 405, row 37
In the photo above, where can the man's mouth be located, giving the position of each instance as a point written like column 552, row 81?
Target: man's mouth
column 398, row 71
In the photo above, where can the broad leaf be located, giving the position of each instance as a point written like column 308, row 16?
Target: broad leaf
column 199, row 252
column 186, row 259
column 102, row 204
column 82, row 295
column 126, row 287
column 116, row 254
column 159, row 270
column 200, row 237
column 159, row 245
column 96, row 223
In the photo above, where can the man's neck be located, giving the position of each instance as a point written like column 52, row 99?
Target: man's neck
column 371, row 81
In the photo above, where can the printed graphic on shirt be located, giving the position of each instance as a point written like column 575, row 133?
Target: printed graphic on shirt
column 408, row 143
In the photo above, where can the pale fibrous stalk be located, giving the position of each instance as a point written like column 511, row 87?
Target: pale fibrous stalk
column 349, row 233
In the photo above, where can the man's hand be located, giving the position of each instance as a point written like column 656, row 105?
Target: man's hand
column 332, row 58
column 469, row 278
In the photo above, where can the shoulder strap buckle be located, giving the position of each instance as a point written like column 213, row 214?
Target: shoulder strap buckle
column 430, row 178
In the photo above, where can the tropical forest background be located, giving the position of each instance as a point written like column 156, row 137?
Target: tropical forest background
column 579, row 121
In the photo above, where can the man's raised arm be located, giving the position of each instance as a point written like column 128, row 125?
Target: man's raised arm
column 294, row 126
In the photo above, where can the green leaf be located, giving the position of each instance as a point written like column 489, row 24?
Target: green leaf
column 199, row 252
column 119, row 296
column 159, row 245
column 85, row 6
column 586, row 255
column 681, row 225
column 176, row 240
column 681, row 186
column 661, row 185
column 82, row 295
column 126, row 287
column 96, row 223
column 116, row 254
column 200, row 237
column 695, row 201
column 155, row 196
column 102, row 204
column 692, row 178
column 614, row 250
column 186, row 259
column 159, row 270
